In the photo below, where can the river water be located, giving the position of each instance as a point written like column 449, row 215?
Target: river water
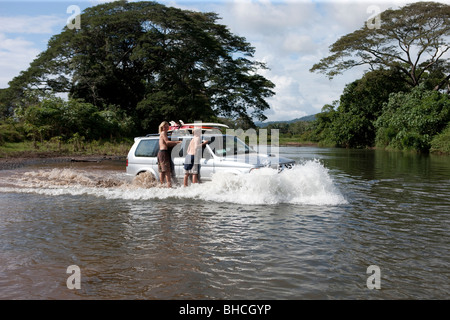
column 314, row 232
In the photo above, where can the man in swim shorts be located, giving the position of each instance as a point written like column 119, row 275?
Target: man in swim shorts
column 195, row 152
column 164, row 157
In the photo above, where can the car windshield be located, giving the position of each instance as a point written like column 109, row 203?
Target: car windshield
column 229, row 145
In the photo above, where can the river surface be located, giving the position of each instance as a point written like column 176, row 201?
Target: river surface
column 315, row 232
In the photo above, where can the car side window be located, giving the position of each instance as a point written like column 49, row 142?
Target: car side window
column 206, row 153
column 147, row 148
column 184, row 147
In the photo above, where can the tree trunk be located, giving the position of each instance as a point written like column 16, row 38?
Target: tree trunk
column 439, row 86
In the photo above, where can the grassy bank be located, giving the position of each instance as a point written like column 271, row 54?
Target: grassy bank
column 441, row 143
column 295, row 141
column 30, row 149
column 55, row 148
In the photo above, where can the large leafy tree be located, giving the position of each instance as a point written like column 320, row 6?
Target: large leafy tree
column 360, row 106
column 352, row 124
column 411, row 120
column 155, row 62
column 414, row 39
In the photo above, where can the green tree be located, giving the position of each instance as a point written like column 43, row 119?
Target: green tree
column 361, row 104
column 51, row 116
column 413, row 39
column 299, row 127
column 441, row 142
column 411, row 120
column 323, row 124
column 155, row 62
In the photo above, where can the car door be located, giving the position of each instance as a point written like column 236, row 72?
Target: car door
column 206, row 162
column 207, row 167
column 177, row 154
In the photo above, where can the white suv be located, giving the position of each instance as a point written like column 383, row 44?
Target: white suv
column 224, row 153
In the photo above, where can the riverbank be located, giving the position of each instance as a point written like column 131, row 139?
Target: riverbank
column 10, row 163
column 298, row 144
column 18, row 154
column 14, row 160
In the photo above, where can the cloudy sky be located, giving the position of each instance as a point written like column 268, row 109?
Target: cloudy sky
column 288, row 35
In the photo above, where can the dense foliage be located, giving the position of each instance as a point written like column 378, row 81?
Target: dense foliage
column 402, row 102
column 405, row 120
column 411, row 120
column 413, row 39
column 152, row 63
column 50, row 117
column 360, row 105
column 441, row 142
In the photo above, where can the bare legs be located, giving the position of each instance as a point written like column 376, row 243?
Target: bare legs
column 165, row 176
column 186, row 178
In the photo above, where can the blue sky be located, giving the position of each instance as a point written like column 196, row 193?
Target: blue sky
column 288, row 35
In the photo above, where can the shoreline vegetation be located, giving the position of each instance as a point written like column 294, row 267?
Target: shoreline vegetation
column 51, row 149
column 14, row 155
column 123, row 81
column 17, row 154
column 48, row 149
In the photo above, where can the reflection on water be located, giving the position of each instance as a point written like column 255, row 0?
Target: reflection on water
column 249, row 242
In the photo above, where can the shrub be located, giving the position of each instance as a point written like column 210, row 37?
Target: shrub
column 441, row 142
column 52, row 116
column 11, row 133
column 410, row 120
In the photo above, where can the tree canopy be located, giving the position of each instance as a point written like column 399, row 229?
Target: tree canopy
column 410, row 120
column 413, row 39
column 360, row 106
column 155, row 63
column 398, row 103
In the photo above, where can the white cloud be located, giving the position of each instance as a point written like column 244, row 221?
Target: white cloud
column 21, row 41
column 15, row 56
column 43, row 24
column 266, row 19
column 290, row 37
column 299, row 43
column 269, row 18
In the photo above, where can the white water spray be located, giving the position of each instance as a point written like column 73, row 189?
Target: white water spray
column 308, row 183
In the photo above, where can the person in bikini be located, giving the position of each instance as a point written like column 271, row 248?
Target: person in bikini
column 164, row 157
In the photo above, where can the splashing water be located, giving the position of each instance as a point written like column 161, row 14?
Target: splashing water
column 307, row 183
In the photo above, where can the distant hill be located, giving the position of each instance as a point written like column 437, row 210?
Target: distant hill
column 305, row 118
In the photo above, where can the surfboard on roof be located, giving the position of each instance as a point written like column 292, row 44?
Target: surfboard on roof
column 191, row 126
